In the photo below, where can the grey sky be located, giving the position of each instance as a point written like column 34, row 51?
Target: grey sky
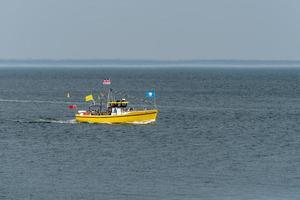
column 150, row 29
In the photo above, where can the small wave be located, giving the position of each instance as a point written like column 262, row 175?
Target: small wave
column 145, row 122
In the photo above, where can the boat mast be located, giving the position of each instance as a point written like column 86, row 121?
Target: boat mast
column 108, row 97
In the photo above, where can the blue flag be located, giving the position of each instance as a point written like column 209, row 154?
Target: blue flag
column 150, row 94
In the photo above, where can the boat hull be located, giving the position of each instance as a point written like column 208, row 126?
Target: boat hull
column 139, row 117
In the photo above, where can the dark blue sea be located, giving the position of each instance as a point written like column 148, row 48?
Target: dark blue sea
column 229, row 133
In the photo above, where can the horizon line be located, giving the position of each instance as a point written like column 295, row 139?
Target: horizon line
column 231, row 63
column 145, row 59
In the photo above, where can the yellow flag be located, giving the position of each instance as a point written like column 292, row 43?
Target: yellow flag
column 89, row 98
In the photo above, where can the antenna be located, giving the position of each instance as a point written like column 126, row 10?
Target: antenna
column 154, row 98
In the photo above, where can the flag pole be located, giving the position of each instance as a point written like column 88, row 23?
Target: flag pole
column 93, row 100
column 154, row 98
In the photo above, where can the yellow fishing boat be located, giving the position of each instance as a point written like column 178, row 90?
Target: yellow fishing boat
column 116, row 112
column 134, row 116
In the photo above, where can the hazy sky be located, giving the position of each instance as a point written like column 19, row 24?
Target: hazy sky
column 150, row 29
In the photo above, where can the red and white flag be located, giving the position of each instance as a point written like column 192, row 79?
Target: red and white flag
column 106, row 82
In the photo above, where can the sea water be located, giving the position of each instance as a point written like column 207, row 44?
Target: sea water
column 222, row 133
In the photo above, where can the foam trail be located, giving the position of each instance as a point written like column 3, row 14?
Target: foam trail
column 38, row 101
column 48, row 121
column 70, row 121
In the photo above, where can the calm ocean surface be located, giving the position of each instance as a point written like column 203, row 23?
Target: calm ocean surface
column 221, row 134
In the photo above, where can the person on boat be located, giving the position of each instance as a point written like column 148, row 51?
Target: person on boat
column 123, row 104
column 118, row 104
